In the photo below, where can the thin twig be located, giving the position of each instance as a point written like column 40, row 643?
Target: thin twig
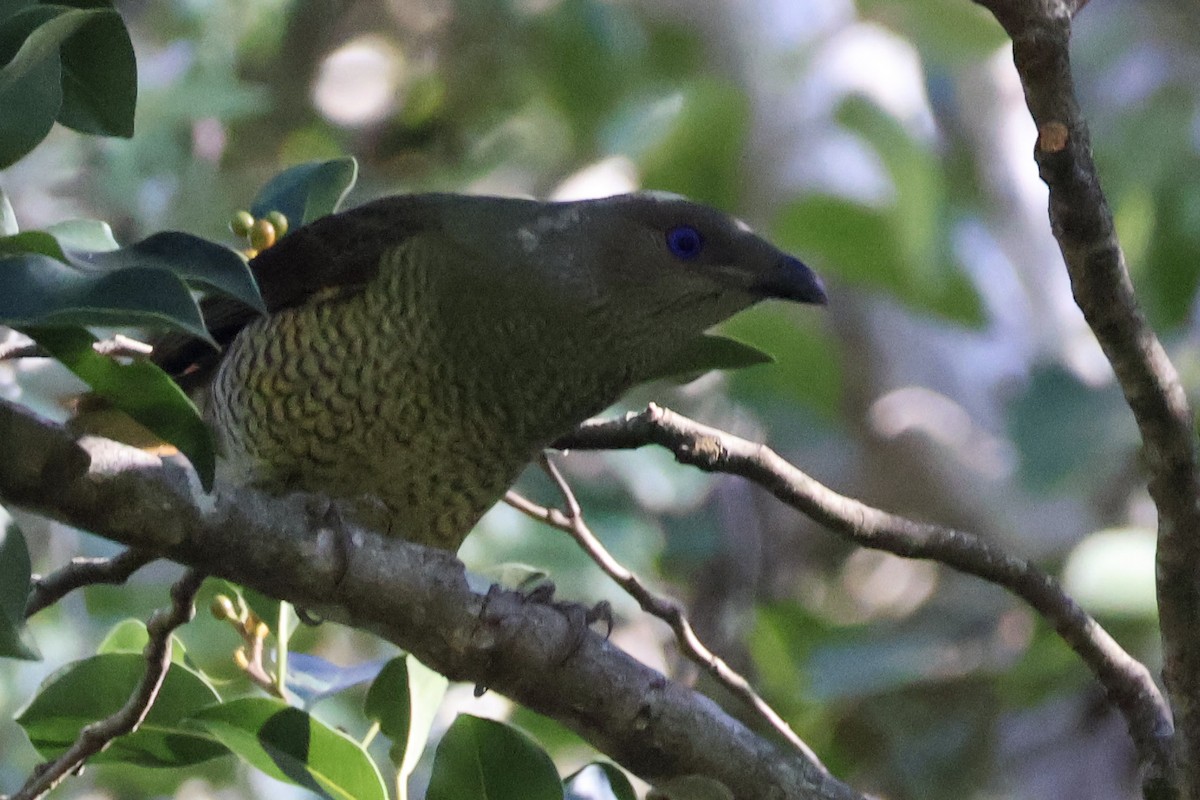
column 97, row 736
column 18, row 348
column 120, row 345
column 667, row 609
column 116, row 346
column 1129, row 685
column 253, row 632
column 80, row 572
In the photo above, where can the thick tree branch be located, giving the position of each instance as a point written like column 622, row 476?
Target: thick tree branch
column 1083, row 225
column 1128, row 683
column 414, row 596
column 97, row 736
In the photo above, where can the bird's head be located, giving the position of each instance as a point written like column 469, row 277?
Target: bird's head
column 658, row 263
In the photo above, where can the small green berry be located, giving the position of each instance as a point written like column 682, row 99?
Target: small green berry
column 223, row 609
column 262, row 235
column 280, row 222
column 241, row 223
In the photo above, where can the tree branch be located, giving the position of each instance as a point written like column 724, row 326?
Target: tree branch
column 14, row 350
column 97, row 736
column 1083, row 225
column 1128, row 683
column 414, row 596
column 48, row 590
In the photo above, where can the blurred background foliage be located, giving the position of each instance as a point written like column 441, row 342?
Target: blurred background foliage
column 951, row 378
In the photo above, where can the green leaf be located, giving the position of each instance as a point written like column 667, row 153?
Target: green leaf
column 127, row 636
column 945, row 32
column 388, row 703
column 97, row 687
column 901, row 247
column 36, row 289
column 918, row 209
column 808, row 366
column 140, row 389
column 91, row 235
column 47, row 281
column 859, row 245
column 60, row 240
column 404, row 698
column 782, row 641
column 32, row 242
column 689, row 141
column 93, row 282
column 266, row 608
column 1070, row 436
column 307, row 192
column 31, row 80
column 99, row 76
column 1168, row 278
column 195, row 260
column 1044, row 670
column 15, row 641
column 291, row 745
column 71, row 64
column 708, row 352
column 599, row 780
column 848, row 240
column 8, row 220
column 131, row 636
column 481, row 759
column 586, row 53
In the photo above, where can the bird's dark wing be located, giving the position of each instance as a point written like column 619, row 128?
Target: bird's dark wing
column 341, row 251
column 334, row 255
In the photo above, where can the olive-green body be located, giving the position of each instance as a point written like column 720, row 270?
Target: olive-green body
column 392, row 398
column 419, row 351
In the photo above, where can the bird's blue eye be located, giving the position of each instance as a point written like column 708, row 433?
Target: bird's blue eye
column 685, row 242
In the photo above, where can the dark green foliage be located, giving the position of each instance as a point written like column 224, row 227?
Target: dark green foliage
column 291, row 745
column 73, row 65
column 15, row 641
column 50, row 287
column 899, row 247
column 308, row 191
column 96, row 687
column 481, row 759
column 1069, row 434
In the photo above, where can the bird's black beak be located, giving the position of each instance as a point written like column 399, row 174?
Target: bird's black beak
column 790, row 279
